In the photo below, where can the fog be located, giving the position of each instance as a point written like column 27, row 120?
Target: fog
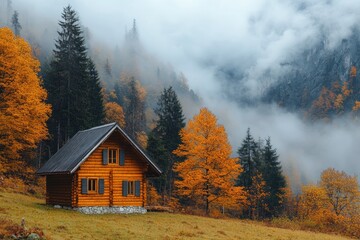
column 254, row 37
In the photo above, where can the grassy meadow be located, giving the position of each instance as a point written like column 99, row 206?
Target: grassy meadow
column 67, row 224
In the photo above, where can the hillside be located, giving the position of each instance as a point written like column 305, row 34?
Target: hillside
column 310, row 81
column 65, row 224
column 316, row 68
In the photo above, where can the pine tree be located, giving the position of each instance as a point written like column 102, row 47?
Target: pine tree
column 15, row 23
column 249, row 159
column 275, row 180
column 108, row 70
column 134, row 106
column 165, row 138
column 250, row 154
column 97, row 112
column 72, row 83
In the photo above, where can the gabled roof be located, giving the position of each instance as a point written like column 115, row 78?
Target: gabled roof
column 68, row 159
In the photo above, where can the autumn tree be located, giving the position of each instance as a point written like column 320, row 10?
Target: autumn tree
column 321, row 107
column 72, row 83
column 257, row 196
column 353, row 71
column 313, row 203
column 165, row 138
column 114, row 113
column 208, row 175
column 289, row 201
column 341, row 189
column 23, row 111
column 333, row 203
column 355, row 109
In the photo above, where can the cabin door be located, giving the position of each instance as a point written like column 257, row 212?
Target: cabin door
column 111, row 189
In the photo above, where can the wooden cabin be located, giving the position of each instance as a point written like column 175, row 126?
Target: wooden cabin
column 100, row 166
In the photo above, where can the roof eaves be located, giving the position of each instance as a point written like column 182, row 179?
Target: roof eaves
column 53, row 173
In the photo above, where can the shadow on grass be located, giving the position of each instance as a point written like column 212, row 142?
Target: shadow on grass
column 43, row 206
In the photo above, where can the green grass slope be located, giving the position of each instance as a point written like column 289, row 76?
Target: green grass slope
column 67, row 224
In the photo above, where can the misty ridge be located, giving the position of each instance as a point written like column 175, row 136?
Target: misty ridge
column 249, row 63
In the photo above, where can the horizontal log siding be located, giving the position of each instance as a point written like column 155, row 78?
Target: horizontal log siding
column 58, row 190
column 133, row 170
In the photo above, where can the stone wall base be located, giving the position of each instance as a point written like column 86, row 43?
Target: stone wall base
column 105, row 210
column 108, row 210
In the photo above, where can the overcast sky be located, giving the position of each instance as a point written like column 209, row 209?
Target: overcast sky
column 197, row 37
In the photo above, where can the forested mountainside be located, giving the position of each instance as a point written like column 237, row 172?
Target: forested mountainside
column 321, row 82
column 131, row 59
column 126, row 59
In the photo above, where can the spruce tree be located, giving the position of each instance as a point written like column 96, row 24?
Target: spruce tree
column 15, row 23
column 95, row 97
column 249, row 155
column 275, row 180
column 251, row 178
column 165, row 138
column 134, row 106
column 71, row 82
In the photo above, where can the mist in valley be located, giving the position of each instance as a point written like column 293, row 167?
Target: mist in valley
column 194, row 45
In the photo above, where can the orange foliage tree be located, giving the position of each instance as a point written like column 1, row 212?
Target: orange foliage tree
column 208, row 174
column 23, row 111
column 323, row 104
column 342, row 191
column 313, row 202
column 356, row 108
column 353, row 71
column 339, row 102
column 257, row 195
column 345, row 89
column 333, row 204
column 114, row 113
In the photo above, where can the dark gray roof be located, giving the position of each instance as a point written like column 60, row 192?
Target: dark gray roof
column 79, row 148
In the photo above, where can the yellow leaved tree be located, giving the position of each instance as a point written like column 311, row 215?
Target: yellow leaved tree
column 257, row 194
column 23, row 111
column 114, row 113
column 208, row 173
column 313, row 203
column 342, row 191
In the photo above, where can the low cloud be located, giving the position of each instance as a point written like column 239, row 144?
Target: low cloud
column 253, row 37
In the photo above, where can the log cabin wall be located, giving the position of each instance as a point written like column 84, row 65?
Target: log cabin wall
column 58, row 189
column 113, row 175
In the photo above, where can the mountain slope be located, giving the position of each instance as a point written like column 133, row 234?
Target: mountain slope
column 315, row 69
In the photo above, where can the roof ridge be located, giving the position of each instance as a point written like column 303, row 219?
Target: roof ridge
column 105, row 125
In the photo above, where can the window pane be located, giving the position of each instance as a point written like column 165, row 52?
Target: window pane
column 92, row 185
column 112, row 155
column 131, row 187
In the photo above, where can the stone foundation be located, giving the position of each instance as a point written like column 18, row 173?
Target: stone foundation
column 107, row 210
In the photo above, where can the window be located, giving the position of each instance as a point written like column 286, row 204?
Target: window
column 131, row 188
column 113, row 155
column 92, row 185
